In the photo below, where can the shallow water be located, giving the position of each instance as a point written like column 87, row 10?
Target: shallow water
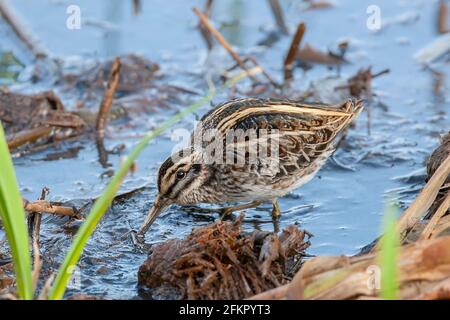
column 341, row 207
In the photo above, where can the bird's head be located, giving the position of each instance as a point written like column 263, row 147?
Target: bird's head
column 180, row 181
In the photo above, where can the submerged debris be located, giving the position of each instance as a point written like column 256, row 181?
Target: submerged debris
column 333, row 89
column 360, row 85
column 219, row 261
column 28, row 118
column 136, row 73
column 309, row 55
column 278, row 15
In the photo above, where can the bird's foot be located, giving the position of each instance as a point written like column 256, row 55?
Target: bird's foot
column 225, row 212
column 229, row 210
column 138, row 240
column 276, row 211
column 196, row 209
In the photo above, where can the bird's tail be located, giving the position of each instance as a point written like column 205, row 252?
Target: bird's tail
column 352, row 106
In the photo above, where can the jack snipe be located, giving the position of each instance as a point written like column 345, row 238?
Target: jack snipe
column 276, row 146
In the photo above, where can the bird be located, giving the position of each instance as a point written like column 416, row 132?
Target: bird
column 256, row 150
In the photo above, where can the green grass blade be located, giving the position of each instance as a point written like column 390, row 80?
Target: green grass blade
column 388, row 255
column 104, row 201
column 13, row 218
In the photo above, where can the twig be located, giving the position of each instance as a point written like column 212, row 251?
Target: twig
column 204, row 32
column 105, row 106
column 361, row 82
column 318, row 5
column 137, row 7
column 27, row 136
column 102, row 152
column 34, row 221
column 240, row 62
column 434, row 50
column 12, row 19
column 46, row 288
column 293, row 49
column 264, row 72
column 312, row 55
column 442, row 17
column 208, row 26
column 278, row 14
column 44, row 206
column 428, row 231
column 380, row 73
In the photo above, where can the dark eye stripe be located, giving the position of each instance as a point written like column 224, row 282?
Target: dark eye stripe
column 186, row 186
column 180, row 174
column 167, row 165
column 194, row 168
column 176, row 181
column 163, row 172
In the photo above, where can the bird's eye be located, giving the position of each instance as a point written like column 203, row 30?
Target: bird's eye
column 180, row 174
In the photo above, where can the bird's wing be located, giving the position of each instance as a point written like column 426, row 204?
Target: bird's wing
column 302, row 132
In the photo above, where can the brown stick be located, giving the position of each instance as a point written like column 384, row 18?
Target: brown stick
column 204, row 32
column 387, row 70
column 208, row 26
column 442, row 17
column 137, row 7
column 105, row 106
column 430, row 227
column 278, row 14
column 27, row 136
column 34, row 220
column 14, row 22
column 263, row 71
column 293, row 49
column 47, row 287
column 312, row 55
column 102, row 152
column 48, row 207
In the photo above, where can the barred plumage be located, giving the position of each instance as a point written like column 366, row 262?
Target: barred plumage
column 306, row 135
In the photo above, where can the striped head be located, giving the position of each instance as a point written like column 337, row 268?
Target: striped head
column 180, row 181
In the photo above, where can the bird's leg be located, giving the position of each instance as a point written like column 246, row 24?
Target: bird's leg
column 197, row 209
column 276, row 212
column 228, row 210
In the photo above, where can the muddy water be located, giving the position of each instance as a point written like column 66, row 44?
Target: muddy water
column 342, row 206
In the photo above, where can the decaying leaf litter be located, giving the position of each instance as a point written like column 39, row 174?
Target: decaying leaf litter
column 219, row 261
column 128, row 106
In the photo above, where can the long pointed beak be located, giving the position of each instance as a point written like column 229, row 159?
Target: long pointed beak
column 158, row 206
